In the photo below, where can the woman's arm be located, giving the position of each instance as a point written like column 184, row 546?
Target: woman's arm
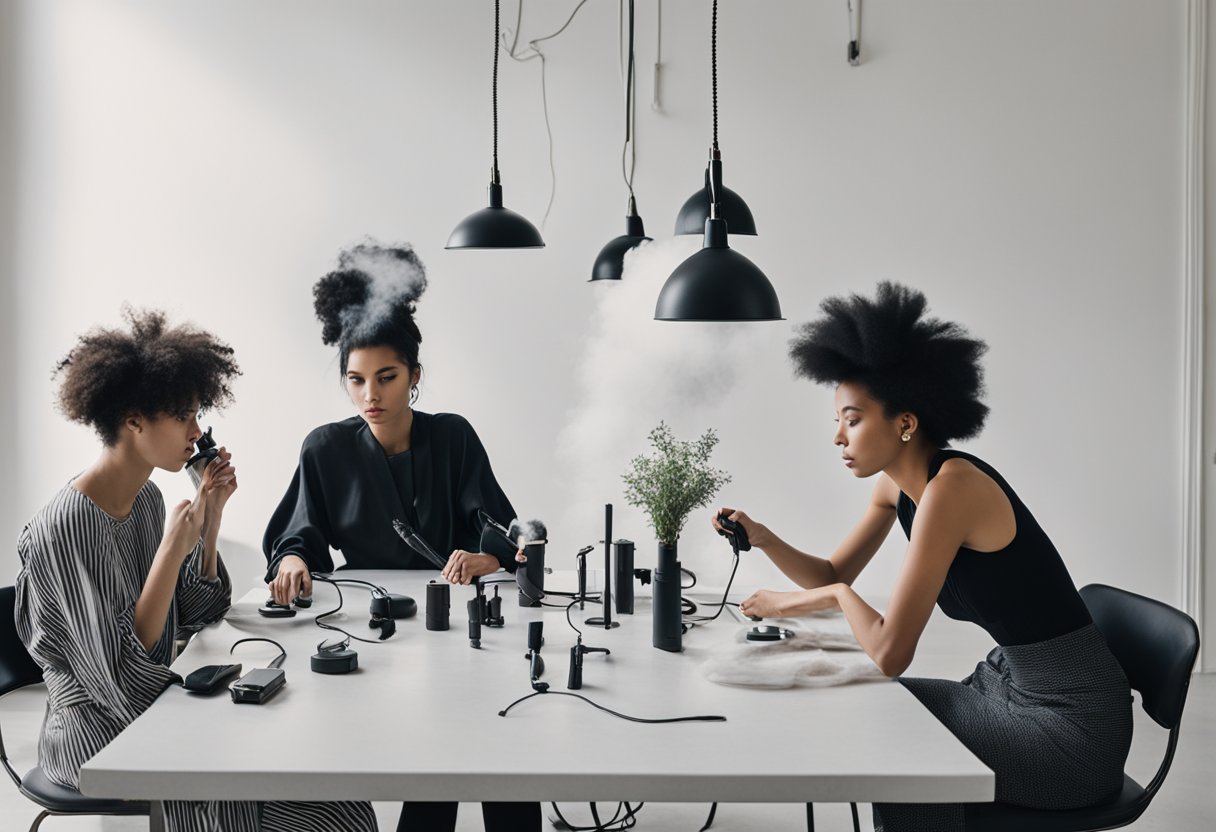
column 944, row 519
column 185, row 525
column 850, row 557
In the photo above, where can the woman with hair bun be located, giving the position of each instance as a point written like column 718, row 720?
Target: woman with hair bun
column 1049, row 709
column 105, row 588
column 389, row 462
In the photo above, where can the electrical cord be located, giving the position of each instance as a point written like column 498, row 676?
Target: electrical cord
column 277, row 661
column 646, row 720
column 335, row 583
column 721, row 605
column 614, row 824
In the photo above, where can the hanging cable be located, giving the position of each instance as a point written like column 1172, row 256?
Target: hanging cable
column 532, row 53
column 714, row 62
column 629, row 150
column 656, row 102
column 494, row 87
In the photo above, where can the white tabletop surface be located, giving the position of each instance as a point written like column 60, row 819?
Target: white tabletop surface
column 419, row 721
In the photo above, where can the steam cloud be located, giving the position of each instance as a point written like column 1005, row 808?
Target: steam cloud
column 395, row 276
column 636, row 371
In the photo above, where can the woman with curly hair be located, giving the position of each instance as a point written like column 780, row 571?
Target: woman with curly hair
column 1049, row 709
column 389, row 462
column 106, row 588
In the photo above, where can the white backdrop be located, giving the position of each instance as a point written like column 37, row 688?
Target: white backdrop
column 1020, row 163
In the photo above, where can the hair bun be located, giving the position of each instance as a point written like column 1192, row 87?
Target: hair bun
column 373, row 286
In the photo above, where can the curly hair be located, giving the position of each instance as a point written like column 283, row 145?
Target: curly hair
column 150, row 370
column 910, row 363
column 369, row 301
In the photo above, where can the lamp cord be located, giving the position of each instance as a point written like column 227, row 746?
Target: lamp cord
column 495, row 87
column 626, row 150
column 714, row 63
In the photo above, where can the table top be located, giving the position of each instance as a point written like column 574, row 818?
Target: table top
column 419, row 721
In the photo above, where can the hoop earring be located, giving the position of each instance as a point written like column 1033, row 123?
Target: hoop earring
column 414, row 394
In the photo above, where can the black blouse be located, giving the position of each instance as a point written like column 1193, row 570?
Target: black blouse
column 1020, row 594
column 346, row 493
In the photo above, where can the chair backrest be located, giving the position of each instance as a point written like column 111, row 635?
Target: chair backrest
column 17, row 669
column 1154, row 643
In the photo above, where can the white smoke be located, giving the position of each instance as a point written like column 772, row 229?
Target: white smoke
column 634, row 373
column 396, row 276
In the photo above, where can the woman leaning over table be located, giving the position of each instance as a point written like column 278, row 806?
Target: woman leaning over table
column 1049, row 709
column 106, row 586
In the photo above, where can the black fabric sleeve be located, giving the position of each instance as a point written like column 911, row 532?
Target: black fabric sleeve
column 300, row 525
column 478, row 489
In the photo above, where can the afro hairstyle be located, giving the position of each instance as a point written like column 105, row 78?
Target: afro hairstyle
column 910, row 363
column 370, row 299
column 151, row 369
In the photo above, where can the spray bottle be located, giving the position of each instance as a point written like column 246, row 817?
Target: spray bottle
column 207, row 451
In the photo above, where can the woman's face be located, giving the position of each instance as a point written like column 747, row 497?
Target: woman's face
column 868, row 440
column 378, row 382
column 166, row 441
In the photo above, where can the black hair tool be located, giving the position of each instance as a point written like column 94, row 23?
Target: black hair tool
column 734, row 532
column 416, row 542
column 605, row 620
column 581, row 558
column 575, row 680
column 536, row 665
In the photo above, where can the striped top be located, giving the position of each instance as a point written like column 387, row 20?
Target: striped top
column 81, row 573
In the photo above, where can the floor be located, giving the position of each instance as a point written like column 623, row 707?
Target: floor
column 1187, row 797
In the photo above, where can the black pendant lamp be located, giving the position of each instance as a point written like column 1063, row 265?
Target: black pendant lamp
column 495, row 226
column 611, row 260
column 717, row 283
column 731, row 207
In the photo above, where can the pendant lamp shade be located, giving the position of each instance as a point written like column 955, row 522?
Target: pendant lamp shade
column 611, row 260
column 495, row 227
column 717, row 284
column 731, row 207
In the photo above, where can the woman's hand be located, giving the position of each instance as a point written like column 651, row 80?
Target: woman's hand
column 769, row 604
column 757, row 533
column 184, row 526
column 292, row 580
column 464, row 566
column 218, row 484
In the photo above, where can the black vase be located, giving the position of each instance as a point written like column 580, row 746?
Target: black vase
column 667, row 634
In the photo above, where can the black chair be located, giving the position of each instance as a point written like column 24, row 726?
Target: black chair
column 17, row 670
column 1156, row 646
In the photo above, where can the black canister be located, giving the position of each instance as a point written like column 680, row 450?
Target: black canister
column 622, row 559
column 534, row 571
column 438, row 601
column 668, row 633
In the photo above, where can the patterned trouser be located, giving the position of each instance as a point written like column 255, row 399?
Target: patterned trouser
column 277, row 816
column 1052, row 719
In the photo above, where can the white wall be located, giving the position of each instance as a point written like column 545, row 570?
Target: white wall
column 1020, row 163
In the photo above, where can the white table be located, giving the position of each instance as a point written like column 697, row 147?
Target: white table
column 419, row 721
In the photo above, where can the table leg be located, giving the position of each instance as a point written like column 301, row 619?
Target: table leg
column 810, row 817
column 156, row 816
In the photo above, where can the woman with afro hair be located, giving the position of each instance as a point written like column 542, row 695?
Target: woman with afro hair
column 106, row 586
column 1049, row 709
column 388, row 462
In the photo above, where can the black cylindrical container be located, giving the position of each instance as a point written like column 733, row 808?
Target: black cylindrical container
column 438, row 601
column 667, row 634
column 535, row 572
column 623, row 573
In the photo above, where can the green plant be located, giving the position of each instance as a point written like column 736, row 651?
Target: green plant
column 673, row 481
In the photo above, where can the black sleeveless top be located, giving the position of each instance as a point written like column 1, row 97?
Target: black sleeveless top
column 1020, row 594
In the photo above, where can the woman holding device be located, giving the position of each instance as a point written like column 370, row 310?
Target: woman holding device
column 1049, row 709
column 106, row 587
column 390, row 462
